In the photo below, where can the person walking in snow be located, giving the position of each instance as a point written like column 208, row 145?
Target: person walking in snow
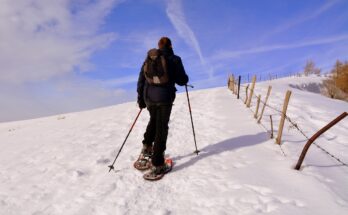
column 160, row 72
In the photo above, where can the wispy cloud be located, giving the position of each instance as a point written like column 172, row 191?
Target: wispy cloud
column 308, row 15
column 217, row 80
column 120, row 81
column 177, row 18
column 321, row 41
column 144, row 41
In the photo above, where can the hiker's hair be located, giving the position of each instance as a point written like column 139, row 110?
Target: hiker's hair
column 164, row 42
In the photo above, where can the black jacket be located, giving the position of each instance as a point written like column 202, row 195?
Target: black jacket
column 152, row 94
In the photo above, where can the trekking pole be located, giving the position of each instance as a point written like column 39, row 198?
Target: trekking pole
column 193, row 128
column 130, row 130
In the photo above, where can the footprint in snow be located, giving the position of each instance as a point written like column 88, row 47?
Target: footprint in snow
column 103, row 161
column 79, row 173
column 258, row 199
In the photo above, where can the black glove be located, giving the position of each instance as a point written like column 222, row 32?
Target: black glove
column 141, row 104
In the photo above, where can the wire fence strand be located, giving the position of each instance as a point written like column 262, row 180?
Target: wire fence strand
column 293, row 125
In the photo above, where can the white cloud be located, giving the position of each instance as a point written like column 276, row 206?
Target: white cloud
column 177, row 17
column 59, row 96
column 40, row 40
column 44, row 45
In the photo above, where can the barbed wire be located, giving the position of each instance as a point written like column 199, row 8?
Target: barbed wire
column 273, row 108
column 270, row 133
column 293, row 125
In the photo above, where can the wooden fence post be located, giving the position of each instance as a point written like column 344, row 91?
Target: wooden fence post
column 270, row 116
column 246, row 94
column 264, row 105
column 315, row 136
column 228, row 82
column 282, row 120
column 257, row 106
column 235, row 87
column 232, row 83
column 251, row 91
column 239, row 79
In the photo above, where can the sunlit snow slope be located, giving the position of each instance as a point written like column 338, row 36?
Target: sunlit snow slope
column 58, row 165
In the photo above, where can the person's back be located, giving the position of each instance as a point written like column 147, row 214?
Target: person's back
column 158, row 98
column 162, row 94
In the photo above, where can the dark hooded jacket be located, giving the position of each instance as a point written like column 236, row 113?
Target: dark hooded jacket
column 164, row 94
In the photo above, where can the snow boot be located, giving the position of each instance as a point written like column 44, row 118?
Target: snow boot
column 147, row 151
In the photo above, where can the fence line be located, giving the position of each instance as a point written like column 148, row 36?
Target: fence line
column 269, row 132
column 287, row 118
column 315, row 136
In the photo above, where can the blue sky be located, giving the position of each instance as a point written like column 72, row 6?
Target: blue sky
column 232, row 36
column 72, row 55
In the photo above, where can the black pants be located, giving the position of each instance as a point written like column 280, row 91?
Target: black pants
column 157, row 131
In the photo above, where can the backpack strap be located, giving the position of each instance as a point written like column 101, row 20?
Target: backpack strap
column 164, row 78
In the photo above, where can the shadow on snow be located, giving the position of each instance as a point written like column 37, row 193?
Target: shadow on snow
column 218, row 148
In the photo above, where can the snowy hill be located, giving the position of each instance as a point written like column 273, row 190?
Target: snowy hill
column 58, row 164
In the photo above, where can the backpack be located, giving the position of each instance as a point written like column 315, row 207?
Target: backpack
column 155, row 68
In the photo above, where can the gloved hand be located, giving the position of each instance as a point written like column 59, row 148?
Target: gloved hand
column 141, row 104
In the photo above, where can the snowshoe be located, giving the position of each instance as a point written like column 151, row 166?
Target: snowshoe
column 157, row 172
column 143, row 163
column 144, row 160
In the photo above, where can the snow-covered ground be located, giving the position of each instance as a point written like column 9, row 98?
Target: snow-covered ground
column 58, row 164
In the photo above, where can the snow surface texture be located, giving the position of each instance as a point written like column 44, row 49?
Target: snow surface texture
column 58, row 165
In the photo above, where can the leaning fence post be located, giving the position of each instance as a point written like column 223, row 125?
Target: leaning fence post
column 246, row 94
column 257, row 106
column 264, row 104
column 251, row 91
column 239, row 78
column 315, row 136
column 282, row 120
